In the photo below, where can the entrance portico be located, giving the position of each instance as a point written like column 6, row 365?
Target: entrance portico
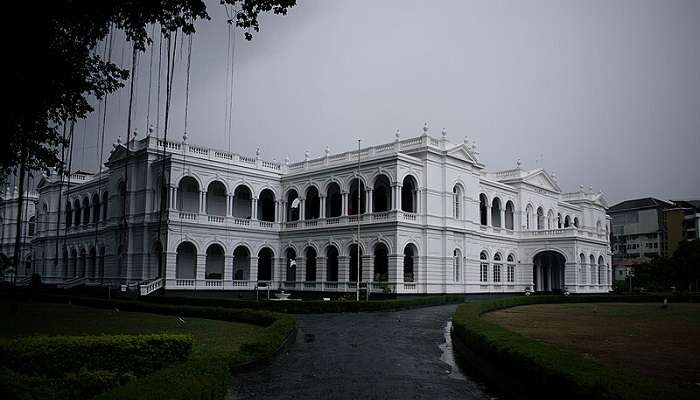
column 548, row 271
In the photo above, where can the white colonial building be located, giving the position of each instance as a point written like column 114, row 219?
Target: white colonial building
column 432, row 220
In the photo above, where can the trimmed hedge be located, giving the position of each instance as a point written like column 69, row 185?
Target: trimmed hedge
column 205, row 377
column 54, row 356
column 313, row 306
column 532, row 368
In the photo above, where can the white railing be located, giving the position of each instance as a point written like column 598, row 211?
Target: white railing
column 213, row 283
column 188, row 215
column 72, row 282
column 241, row 222
column 184, row 283
column 216, row 219
column 147, row 288
column 240, row 284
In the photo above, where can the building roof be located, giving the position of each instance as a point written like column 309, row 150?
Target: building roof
column 638, row 204
column 694, row 204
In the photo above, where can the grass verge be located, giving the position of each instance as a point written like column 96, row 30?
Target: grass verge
column 526, row 368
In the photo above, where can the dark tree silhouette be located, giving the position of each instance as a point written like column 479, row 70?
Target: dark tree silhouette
column 54, row 68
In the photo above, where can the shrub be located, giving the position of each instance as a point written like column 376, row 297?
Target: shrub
column 54, row 356
column 314, row 306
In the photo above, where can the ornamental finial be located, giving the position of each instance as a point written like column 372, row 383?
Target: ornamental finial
column 306, row 155
column 397, row 135
column 327, row 150
column 444, row 133
column 136, row 133
column 519, row 163
column 425, row 129
column 184, row 137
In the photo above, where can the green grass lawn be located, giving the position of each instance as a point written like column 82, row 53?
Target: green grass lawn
column 210, row 336
column 642, row 338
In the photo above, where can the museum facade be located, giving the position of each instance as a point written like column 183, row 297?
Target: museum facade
column 431, row 219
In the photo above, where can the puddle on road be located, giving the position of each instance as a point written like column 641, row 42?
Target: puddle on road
column 448, row 355
column 455, row 372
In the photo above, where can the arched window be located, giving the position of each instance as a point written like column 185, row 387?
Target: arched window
column 409, row 261
column 266, row 206
column 457, row 201
column 105, row 202
column 45, row 218
column 592, row 267
column 312, row 204
column 95, row 208
column 528, row 217
column 509, row 215
column 381, row 194
column 582, row 267
column 567, row 221
column 86, row 211
column 576, row 222
column 188, row 195
column 214, row 267
column 409, row 194
column 550, row 219
column 601, row 270
column 293, row 205
column 186, row 261
column 291, row 257
column 216, row 198
column 242, row 202
column 77, row 214
column 332, row 264
column 31, row 226
column 559, row 221
column 310, row 264
column 496, row 212
column 483, row 209
column 456, row 265
column 510, row 275
column 381, row 263
column 265, row 264
column 241, row 264
column 355, row 196
column 497, row 266
column 334, row 201
column 598, row 227
column 69, row 214
column 355, row 263
column 484, row 267
column 540, row 219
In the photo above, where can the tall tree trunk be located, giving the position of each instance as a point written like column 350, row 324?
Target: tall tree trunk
column 18, row 228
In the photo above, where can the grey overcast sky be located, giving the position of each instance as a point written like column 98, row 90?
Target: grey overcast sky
column 607, row 93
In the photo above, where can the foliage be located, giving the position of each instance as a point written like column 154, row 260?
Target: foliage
column 56, row 66
column 686, row 260
column 530, row 365
column 53, row 356
column 314, row 307
column 206, row 373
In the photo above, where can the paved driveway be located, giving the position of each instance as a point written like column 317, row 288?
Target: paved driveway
column 393, row 355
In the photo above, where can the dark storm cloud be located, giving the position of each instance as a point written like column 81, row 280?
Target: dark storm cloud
column 607, row 93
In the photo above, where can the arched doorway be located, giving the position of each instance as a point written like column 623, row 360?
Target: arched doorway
column 266, row 206
column 355, row 264
column 291, row 257
column 310, row 264
column 186, row 261
column 241, row 263
column 381, row 194
column 265, row 258
column 410, row 255
column 409, row 194
column 332, row 264
column 214, row 266
column 381, row 263
column 334, row 201
column 548, row 271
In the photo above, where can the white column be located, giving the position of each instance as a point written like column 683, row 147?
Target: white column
column 254, row 211
column 322, row 200
column 302, row 209
column 345, row 204
column 503, row 217
column 488, row 215
column 202, row 202
column 228, row 268
column 369, row 200
column 229, row 209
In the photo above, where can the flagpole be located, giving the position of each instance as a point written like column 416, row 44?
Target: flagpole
column 359, row 215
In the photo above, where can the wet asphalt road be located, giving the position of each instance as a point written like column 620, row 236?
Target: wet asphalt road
column 393, row 355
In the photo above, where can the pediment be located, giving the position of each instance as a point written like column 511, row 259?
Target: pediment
column 118, row 153
column 463, row 152
column 541, row 179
